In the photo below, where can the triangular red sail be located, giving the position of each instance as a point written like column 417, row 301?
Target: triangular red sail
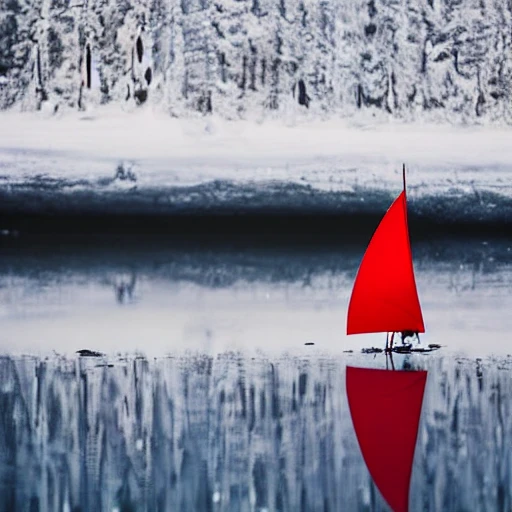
column 385, row 407
column 384, row 298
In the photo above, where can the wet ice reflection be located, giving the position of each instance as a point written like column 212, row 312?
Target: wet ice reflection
column 237, row 433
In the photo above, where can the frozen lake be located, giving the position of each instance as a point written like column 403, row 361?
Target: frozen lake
column 208, row 399
column 160, row 296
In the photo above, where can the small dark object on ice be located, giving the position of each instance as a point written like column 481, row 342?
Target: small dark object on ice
column 402, row 349
column 89, row 353
column 372, row 350
column 309, row 343
column 434, row 345
column 348, row 351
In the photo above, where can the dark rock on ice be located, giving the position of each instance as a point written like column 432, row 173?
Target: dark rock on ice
column 89, row 353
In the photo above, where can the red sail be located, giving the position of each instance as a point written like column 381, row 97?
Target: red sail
column 384, row 298
column 385, row 407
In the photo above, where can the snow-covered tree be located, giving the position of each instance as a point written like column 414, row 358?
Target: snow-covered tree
column 19, row 20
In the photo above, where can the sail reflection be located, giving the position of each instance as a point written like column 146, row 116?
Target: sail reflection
column 238, row 434
column 385, row 407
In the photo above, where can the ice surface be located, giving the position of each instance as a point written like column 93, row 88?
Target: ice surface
column 160, row 297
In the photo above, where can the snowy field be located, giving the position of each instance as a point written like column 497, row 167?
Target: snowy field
column 147, row 134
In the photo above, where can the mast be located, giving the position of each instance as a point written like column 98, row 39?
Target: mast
column 403, row 175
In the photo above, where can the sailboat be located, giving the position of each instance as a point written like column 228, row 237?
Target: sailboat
column 384, row 297
column 385, row 406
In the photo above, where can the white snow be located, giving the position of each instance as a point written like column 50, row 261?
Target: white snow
column 149, row 135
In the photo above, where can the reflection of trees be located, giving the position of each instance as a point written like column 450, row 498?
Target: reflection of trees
column 124, row 290
column 481, row 267
column 199, row 433
column 124, row 287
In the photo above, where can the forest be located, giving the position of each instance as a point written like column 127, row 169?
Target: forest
column 443, row 60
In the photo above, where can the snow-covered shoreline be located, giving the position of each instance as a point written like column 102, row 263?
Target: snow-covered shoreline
column 148, row 162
